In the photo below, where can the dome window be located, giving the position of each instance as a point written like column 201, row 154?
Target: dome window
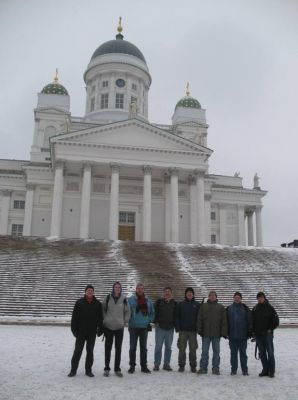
column 105, row 83
column 104, row 101
column 119, row 100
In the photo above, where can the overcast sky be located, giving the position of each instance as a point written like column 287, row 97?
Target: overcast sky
column 240, row 57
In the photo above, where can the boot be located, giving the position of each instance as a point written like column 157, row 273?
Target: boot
column 167, row 367
column 215, row 371
column 119, row 373
column 90, row 374
column 145, row 370
column 106, row 373
column 193, row 369
column 131, row 370
column 181, row 368
column 156, row 367
column 72, row 374
column 263, row 373
column 202, row 371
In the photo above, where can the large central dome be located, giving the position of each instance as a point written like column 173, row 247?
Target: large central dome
column 118, row 45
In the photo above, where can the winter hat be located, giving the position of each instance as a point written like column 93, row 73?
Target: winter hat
column 261, row 294
column 238, row 294
column 116, row 283
column 189, row 289
column 89, row 287
column 212, row 292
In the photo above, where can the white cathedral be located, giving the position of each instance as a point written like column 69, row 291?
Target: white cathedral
column 112, row 174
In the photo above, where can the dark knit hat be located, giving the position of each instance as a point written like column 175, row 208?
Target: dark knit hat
column 261, row 294
column 89, row 287
column 238, row 294
column 189, row 289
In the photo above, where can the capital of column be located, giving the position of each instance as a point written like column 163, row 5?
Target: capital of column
column 249, row 212
column 207, row 197
column 87, row 165
column 259, row 208
column 167, row 177
column 191, row 179
column 114, row 167
column 147, row 170
column 173, row 171
column 30, row 186
column 199, row 173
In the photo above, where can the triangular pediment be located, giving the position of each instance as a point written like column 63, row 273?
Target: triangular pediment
column 131, row 133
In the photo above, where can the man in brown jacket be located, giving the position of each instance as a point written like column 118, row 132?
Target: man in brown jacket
column 212, row 325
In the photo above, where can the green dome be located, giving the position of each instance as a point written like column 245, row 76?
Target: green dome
column 54, row 88
column 119, row 46
column 188, row 102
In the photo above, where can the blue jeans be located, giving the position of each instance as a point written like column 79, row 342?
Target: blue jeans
column 163, row 336
column 238, row 345
column 266, row 351
column 134, row 335
column 205, row 352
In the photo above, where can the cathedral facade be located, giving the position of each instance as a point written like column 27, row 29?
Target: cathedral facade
column 112, row 174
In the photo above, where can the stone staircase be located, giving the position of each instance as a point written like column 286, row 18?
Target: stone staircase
column 40, row 280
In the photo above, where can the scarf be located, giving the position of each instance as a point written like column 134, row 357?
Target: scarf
column 142, row 305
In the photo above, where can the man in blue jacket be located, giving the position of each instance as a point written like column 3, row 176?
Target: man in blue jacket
column 239, row 330
column 142, row 314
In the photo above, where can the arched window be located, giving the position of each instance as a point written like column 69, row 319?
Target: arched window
column 48, row 132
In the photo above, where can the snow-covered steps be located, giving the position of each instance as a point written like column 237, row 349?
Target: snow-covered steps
column 41, row 279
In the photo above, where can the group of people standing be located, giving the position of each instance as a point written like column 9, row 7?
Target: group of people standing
column 189, row 318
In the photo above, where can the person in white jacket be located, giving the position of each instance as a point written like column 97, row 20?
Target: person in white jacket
column 116, row 314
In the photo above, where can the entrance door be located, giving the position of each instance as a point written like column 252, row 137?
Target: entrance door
column 126, row 229
column 126, row 232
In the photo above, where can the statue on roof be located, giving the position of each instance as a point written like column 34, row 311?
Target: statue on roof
column 256, row 181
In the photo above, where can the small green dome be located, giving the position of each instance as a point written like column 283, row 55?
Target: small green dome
column 55, row 88
column 188, row 102
column 119, row 46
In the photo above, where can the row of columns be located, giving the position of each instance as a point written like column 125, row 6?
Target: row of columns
column 199, row 207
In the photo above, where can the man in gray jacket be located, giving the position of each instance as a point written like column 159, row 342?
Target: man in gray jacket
column 212, row 325
column 116, row 313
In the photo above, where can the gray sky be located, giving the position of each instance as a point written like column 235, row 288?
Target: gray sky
column 240, row 57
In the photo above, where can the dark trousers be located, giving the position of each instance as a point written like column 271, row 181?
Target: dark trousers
column 266, row 351
column 109, row 338
column 134, row 335
column 238, row 345
column 79, row 346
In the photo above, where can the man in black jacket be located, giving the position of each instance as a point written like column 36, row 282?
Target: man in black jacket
column 265, row 320
column 164, row 328
column 186, row 325
column 86, row 322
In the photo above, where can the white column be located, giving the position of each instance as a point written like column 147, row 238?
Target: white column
column 167, row 208
column 28, row 209
column 114, row 203
column 200, row 207
column 85, row 201
column 193, row 208
column 174, row 206
column 222, row 224
column 259, row 234
column 208, row 218
column 250, row 228
column 57, row 201
column 241, row 226
column 147, row 204
column 4, row 212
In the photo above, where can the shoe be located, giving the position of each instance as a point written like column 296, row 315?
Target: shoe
column 193, row 369
column 202, row 371
column 167, row 367
column 263, row 373
column 145, row 370
column 245, row 373
column 215, row 371
column 90, row 374
column 156, row 367
column 234, row 373
column 72, row 374
column 271, row 374
column 181, row 368
column 131, row 370
column 106, row 373
column 119, row 374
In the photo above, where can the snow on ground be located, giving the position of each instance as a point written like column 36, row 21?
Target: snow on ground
column 35, row 361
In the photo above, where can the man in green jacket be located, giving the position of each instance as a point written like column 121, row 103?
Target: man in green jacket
column 212, row 325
